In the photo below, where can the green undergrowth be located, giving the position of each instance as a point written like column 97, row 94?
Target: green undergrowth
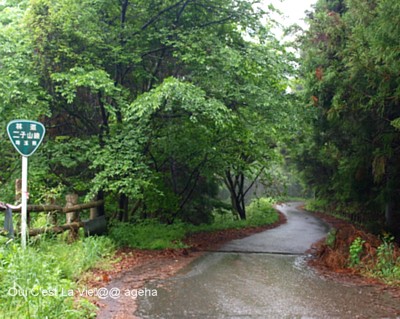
column 150, row 234
column 322, row 205
column 315, row 205
column 383, row 264
column 380, row 261
column 287, row 198
column 41, row 281
column 350, row 212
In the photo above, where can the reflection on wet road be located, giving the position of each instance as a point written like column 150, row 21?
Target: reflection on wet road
column 230, row 284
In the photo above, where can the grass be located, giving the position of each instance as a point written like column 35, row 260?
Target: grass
column 150, row 234
column 40, row 282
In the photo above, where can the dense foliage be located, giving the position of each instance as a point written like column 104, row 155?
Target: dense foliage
column 350, row 59
column 152, row 105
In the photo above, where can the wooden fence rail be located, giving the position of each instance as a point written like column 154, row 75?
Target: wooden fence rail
column 56, row 208
column 95, row 225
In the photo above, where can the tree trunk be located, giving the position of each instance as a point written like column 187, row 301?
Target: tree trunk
column 123, row 208
column 241, row 210
column 392, row 218
column 235, row 186
column 392, row 203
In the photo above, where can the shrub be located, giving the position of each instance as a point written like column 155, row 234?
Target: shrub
column 356, row 249
column 331, row 238
column 148, row 234
column 387, row 264
column 383, row 264
column 261, row 212
column 315, row 205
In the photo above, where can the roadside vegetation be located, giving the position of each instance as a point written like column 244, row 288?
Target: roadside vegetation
column 377, row 258
column 43, row 280
column 366, row 254
column 349, row 248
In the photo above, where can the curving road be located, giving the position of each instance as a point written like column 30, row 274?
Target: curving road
column 264, row 276
column 294, row 237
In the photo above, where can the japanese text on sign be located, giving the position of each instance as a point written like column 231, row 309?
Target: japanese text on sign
column 31, row 137
column 26, row 136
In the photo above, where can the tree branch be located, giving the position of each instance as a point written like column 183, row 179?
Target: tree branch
column 158, row 15
column 254, row 181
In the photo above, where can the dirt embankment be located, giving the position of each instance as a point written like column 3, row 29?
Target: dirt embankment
column 332, row 259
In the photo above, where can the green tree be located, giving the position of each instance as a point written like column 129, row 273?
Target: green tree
column 21, row 95
column 350, row 68
column 163, row 100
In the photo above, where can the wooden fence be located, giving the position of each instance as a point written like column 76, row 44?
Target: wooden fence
column 94, row 225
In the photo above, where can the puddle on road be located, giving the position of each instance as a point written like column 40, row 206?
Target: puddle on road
column 221, row 285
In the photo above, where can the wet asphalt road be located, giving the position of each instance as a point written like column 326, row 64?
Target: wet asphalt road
column 264, row 276
column 294, row 237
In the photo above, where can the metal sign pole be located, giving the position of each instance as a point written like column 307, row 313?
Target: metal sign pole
column 26, row 137
column 24, row 201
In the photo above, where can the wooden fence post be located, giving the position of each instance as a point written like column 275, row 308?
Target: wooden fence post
column 94, row 212
column 18, row 195
column 71, row 200
column 18, row 188
column 52, row 216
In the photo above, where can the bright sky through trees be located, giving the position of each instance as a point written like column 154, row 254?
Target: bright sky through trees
column 293, row 11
